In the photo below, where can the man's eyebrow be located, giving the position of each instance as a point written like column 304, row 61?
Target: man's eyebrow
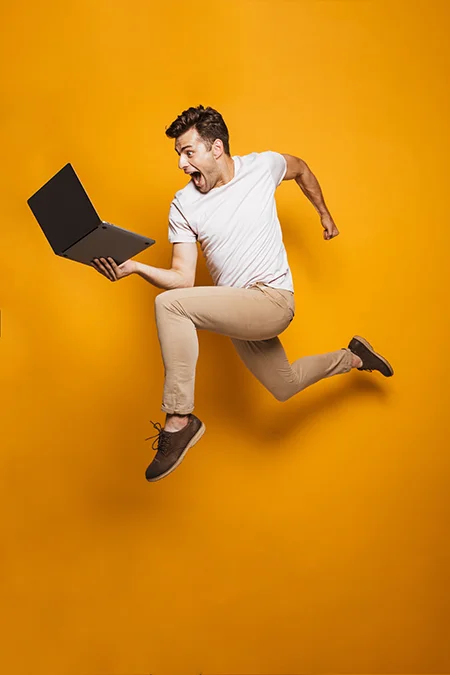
column 185, row 147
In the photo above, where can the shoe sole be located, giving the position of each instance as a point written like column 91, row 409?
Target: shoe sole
column 370, row 348
column 192, row 442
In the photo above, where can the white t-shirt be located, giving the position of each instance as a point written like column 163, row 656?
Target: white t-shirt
column 237, row 224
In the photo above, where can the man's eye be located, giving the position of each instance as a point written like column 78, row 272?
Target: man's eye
column 189, row 153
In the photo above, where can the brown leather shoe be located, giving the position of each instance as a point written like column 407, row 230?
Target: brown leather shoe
column 172, row 446
column 370, row 359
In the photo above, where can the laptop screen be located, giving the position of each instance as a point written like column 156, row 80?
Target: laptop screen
column 63, row 210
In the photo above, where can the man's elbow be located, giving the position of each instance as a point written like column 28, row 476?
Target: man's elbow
column 182, row 279
column 188, row 281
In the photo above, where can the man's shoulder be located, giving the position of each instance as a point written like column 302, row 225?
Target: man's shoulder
column 185, row 197
column 262, row 158
column 186, row 192
column 251, row 157
column 258, row 154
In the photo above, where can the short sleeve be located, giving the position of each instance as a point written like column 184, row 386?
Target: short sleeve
column 277, row 165
column 179, row 228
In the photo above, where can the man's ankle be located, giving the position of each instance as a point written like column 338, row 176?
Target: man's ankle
column 175, row 422
column 356, row 361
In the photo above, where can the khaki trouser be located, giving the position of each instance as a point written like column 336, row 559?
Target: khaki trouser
column 253, row 318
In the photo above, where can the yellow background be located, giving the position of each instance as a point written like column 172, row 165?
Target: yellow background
column 304, row 537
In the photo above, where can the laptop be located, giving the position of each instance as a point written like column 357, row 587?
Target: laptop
column 73, row 227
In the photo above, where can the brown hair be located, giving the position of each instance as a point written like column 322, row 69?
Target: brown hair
column 209, row 123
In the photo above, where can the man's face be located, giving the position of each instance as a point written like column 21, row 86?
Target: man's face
column 196, row 160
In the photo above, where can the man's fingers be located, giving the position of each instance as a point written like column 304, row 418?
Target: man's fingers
column 99, row 270
column 104, row 268
column 109, row 269
column 329, row 235
column 97, row 266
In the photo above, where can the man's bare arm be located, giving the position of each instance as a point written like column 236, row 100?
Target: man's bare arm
column 180, row 275
column 298, row 170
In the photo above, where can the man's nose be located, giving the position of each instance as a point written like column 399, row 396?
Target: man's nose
column 182, row 163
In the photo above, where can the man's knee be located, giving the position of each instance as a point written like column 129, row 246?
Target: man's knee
column 283, row 393
column 163, row 300
column 281, row 396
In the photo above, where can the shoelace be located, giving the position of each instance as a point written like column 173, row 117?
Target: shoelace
column 161, row 439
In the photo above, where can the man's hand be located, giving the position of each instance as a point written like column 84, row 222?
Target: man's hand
column 330, row 229
column 111, row 270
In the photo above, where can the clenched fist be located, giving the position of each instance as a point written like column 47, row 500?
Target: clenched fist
column 329, row 228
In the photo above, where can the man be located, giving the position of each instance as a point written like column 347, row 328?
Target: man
column 229, row 207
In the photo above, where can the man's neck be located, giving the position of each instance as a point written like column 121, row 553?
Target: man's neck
column 227, row 173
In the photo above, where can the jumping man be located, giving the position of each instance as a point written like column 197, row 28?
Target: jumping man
column 228, row 206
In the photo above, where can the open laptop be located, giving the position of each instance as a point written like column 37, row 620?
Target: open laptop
column 72, row 226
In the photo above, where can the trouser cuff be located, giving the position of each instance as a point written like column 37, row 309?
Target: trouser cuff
column 348, row 361
column 176, row 411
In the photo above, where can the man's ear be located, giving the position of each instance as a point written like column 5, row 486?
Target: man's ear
column 217, row 148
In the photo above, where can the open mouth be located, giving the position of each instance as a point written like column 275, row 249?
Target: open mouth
column 197, row 178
